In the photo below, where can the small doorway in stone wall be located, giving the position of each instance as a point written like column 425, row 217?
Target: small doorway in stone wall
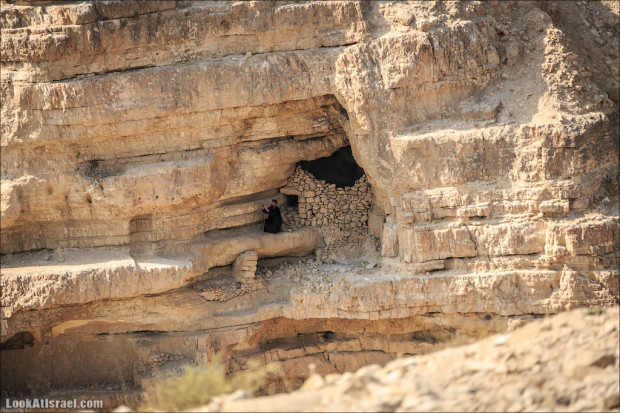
column 292, row 201
column 290, row 212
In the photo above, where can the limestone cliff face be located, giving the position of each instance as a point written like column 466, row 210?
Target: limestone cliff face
column 136, row 135
column 521, row 370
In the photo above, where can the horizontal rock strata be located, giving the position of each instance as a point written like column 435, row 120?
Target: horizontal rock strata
column 140, row 140
column 521, row 370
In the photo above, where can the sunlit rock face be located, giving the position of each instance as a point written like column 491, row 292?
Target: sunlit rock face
column 141, row 140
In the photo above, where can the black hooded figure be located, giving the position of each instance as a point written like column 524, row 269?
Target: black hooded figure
column 273, row 224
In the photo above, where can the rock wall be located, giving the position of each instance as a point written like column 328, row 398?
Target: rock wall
column 244, row 266
column 139, row 141
column 521, row 370
column 322, row 204
column 341, row 214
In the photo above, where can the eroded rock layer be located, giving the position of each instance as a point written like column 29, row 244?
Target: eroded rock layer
column 140, row 140
column 525, row 370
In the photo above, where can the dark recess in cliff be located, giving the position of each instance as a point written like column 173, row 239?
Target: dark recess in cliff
column 339, row 168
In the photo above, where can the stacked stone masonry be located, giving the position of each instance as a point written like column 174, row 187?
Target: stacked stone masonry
column 324, row 205
column 244, row 267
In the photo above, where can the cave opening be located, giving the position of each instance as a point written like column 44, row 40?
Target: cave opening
column 18, row 341
column 339, row 168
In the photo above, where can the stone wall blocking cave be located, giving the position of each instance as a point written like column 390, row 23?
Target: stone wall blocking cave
column 328, row 192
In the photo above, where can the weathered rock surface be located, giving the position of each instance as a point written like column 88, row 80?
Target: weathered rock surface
column 338, row 317
column 86, row 275
column 140, row 140
column 566, row 363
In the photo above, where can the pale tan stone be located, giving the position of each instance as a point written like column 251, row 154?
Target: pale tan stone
column 140, row 141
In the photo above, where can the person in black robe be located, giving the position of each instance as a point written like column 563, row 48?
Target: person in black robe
column 273, row 223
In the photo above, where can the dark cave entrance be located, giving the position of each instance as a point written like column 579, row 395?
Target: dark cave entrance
column 18, row 341
column 339, row 168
